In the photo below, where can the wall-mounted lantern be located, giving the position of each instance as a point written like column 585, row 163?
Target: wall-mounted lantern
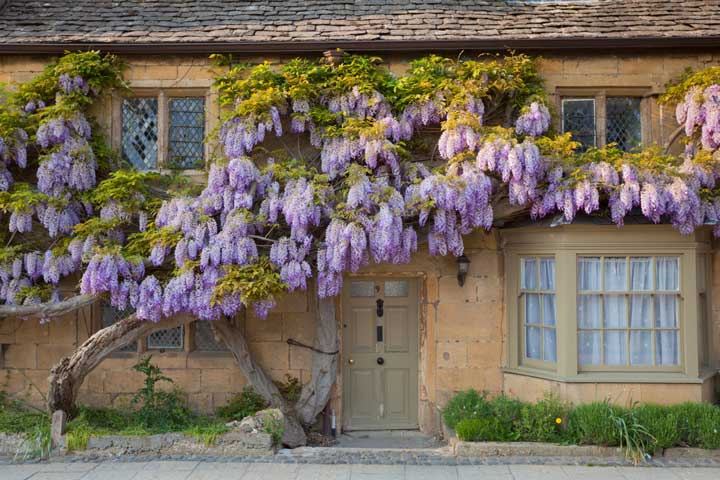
column 463, row 267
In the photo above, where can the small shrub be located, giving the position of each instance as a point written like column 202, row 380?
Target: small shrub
column 465, row 406
column 661, row 422
column 485, row 429
column 243, row 405
column 593, row 424
column 159, row 410
column 543, row 421
column 208, row 434
column 77, row 438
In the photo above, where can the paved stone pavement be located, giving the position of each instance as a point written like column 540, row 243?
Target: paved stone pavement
column 203, row 470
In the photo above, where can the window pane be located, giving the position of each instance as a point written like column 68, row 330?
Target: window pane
column 640, row 311
column 549, row 345
column 615, row 311
column 667, row 273
column 615, row 347
column 205, row 340
column 579, row 118
column 615, row 274
column 666, row 347
column 589, row 311
column 666, row 315
column 529, row 273
column 533, row 339
column 547, row 274
column 362, row 289
column 589, row 269
column 532, row 308
column 589, row 348
column 186, row 132
column 641, row 347
column 624, row 125
column 170, row 338
column 110, row 315
column 396, row 288
column 640, row 273
column 140, row 132
column 548, row 309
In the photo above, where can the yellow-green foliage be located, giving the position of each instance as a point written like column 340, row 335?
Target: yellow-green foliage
column 253, row 283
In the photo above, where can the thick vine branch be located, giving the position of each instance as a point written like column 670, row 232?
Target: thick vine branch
column 48, row 310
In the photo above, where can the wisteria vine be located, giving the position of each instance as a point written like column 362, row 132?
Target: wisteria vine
column 327, row 168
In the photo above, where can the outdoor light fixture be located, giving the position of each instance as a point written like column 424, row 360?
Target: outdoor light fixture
column 463, row 267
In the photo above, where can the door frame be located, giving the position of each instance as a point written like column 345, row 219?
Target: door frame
column 423, row 356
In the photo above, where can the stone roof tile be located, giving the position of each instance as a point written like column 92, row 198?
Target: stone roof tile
column 159, row 21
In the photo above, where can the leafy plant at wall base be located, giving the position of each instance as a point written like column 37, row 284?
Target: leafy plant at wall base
column 243, row 405
column 592, row 424
column 689, row 417
column 161, row 410
column 709, row 428
column 485, row 429
column 468, row 404
column 543, row 421
column 661, row 422
column 634, row 437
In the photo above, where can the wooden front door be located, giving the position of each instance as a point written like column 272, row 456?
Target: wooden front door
column 380, row 354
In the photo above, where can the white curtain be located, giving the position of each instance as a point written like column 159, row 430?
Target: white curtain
column 529, row 273
column 549, row 336
column 615, row 274
column 589, row 269
column 547, row 274
column 640, row 273
column 666, row 341
column 667, row 276
column 589, row 352
column 533, row 337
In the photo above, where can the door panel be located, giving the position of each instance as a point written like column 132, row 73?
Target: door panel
column 363, row 385
column 397, row 400
column 396, row 329
column 380, row 354
column 362, row 328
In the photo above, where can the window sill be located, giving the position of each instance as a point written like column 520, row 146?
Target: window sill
column 615, row 377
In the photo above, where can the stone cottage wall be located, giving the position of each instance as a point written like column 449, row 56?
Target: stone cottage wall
column 462, row 329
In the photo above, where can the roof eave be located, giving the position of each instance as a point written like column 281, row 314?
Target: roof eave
column 520, row 44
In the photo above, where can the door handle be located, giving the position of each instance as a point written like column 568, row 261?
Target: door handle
column 351, row 361
column 380, row 360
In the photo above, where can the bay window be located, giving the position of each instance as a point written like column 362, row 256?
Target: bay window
column 594, row 302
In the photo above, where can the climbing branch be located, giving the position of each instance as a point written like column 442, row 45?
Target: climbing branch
column 48, row 310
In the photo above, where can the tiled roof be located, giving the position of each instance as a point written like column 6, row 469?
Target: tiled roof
column 163, row 21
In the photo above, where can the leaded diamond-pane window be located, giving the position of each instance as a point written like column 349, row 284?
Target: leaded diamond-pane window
column 186, row 133
column 111, row 315
column 623, row 122
column 205, row 340
column 140, row 132
column 168, row 339
column 578, row 117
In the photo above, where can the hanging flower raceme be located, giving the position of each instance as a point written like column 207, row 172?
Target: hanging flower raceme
column 460, row 130
column 240, row 135
column 290, row 257
column 534, row 120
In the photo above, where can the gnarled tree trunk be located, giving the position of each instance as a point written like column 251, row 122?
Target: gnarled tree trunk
column 232, row 336
column 68, row 375
column 316, row 393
